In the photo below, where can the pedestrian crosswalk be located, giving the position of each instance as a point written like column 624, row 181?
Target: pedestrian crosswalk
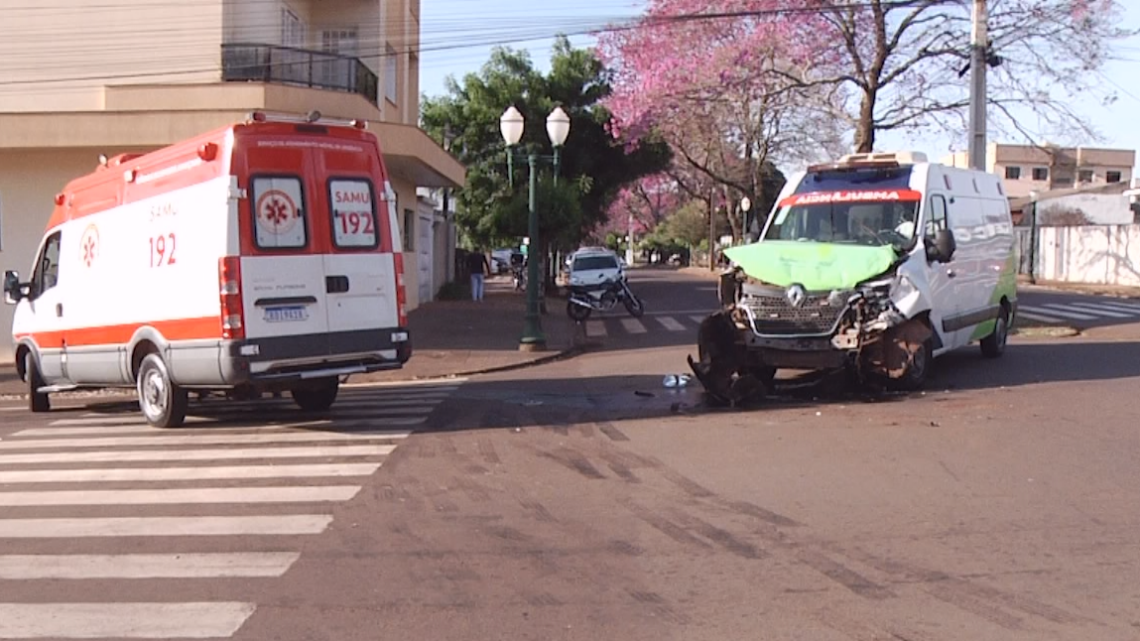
column 1091, row 310
column 649, row 323
column 96, row 503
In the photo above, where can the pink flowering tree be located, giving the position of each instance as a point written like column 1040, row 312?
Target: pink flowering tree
column 726, row 93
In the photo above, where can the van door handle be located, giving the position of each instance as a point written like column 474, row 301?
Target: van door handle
column 336, row 284
column 59, row 309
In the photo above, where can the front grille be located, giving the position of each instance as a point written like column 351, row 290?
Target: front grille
column 775, row 315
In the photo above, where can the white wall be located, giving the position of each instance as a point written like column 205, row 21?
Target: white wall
column 1100, row 254
column 1101, row 209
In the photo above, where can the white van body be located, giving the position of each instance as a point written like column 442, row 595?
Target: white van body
column 878, row 263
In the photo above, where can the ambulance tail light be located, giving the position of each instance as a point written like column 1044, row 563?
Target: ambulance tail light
column 401, row 291
column 229, row 288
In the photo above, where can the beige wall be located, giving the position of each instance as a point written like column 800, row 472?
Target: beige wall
column 63, row 57
column 29, row 180
column 252, row 21
column 406, row 199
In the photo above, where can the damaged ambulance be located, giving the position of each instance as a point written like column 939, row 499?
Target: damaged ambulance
column 874, row 265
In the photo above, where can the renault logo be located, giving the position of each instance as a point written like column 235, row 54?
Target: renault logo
column 796, row 294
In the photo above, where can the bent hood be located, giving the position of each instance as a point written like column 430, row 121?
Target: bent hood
column 816, row 266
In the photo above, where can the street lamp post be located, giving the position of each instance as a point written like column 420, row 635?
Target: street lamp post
column 557, row 128
column 745, row 205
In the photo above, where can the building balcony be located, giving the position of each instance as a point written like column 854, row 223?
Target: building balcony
column 298, row 67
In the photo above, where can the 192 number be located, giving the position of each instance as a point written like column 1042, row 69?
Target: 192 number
column 162, row 250
column 355, row 223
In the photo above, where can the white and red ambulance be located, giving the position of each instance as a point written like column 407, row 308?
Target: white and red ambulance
column 263, row 256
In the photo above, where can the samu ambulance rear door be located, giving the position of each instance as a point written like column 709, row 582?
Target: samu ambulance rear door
column 360, row 264
column 283, row 274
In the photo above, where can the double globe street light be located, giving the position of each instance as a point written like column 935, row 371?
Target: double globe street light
column 511, row 126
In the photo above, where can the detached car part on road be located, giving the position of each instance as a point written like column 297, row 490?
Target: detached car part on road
column 874, row 265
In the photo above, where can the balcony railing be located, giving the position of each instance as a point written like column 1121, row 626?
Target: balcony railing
column 301, row 67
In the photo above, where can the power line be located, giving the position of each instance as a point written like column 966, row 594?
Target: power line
column 587, row 27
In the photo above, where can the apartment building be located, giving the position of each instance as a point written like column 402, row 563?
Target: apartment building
column 80, row 78
column 1026, row 168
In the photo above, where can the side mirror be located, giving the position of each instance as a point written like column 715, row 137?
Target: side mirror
column 943, row 246
column 12, row 290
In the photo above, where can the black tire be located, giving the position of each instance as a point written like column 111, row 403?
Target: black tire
column 317, row 399
column 38, row 401
column 577, row 312
column 163, row 403
column 918, row 372
column 993, row 346
column 634, row 306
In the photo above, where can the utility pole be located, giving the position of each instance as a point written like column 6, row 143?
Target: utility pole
column 979, row 45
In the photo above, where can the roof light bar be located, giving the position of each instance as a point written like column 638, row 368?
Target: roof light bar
column 305, row 119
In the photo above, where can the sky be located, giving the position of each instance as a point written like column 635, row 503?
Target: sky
column 457, row 37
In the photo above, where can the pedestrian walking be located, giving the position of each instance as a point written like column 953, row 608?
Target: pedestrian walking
column 479, row 267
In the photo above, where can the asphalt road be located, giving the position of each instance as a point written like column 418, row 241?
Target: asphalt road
column 582, row 500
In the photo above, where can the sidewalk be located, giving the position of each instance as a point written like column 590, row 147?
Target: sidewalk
column 454, row 338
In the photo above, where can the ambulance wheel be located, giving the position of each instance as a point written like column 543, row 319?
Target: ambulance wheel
column 37, row 401
column 918, row 371
column 162, row 402
column 993, row 345
column 317, row 399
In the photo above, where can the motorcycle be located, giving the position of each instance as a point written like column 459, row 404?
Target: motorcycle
column 518, row 277
column 602, row 297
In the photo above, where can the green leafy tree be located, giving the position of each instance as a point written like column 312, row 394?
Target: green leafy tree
column 594, row 165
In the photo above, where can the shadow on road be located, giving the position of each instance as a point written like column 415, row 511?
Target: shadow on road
column 529, row 400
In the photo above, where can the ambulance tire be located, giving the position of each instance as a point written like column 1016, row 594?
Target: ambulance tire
column 37, row 401
column 317, row 399
column 163, row 403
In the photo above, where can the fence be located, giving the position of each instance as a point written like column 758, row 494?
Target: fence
column 1093, row 254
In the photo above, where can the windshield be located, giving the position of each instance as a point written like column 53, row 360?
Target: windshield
column 874, row 218
column 586, row 263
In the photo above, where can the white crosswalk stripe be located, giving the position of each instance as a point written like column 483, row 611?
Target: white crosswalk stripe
column 633, row 326
column 1081, row 310
column 595, row 329
column 83, row 479
column 670, row 323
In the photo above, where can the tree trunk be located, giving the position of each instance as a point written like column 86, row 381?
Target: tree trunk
column 865, row 129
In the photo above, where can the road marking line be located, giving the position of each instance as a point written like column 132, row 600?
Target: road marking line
column 1054, row 312
column 202, row 438
column 1109, row 312
column 60, row 528
column 145, row 566
column 633, row 326
column 698, row 319
column 210, row 454
column 1116, row 302
column 182, row 496
column 595, row 328
column 1038, row 317
column 122, row 620
column 1123, row 309
column 189, row 473
column 671, row 324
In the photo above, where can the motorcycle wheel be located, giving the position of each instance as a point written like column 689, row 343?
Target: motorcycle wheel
column 634, row 306
column 577, row 312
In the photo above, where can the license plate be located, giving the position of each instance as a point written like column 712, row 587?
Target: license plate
column 291, row 314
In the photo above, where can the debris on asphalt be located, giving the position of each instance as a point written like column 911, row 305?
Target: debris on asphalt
column 645, row 394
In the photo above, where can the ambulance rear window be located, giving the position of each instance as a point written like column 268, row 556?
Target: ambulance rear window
column 353, row 205
column 279, row 212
